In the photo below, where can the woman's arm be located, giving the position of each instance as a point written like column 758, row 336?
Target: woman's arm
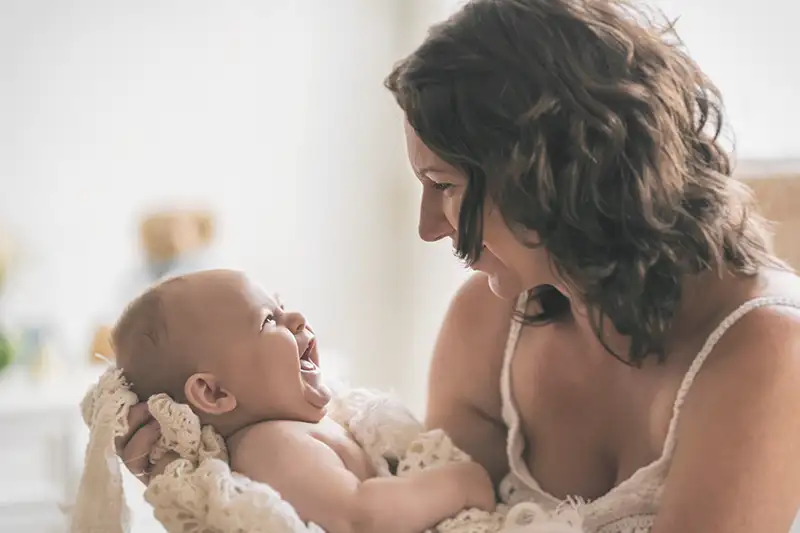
column 737, row 464
column 464, row 379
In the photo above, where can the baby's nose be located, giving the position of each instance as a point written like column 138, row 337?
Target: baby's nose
column 295, row 322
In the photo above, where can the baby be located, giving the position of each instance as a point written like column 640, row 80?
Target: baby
column 216, row 341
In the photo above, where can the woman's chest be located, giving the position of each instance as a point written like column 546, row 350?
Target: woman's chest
column 587, row 420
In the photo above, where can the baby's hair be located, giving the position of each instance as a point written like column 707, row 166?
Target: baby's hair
column 140, row 340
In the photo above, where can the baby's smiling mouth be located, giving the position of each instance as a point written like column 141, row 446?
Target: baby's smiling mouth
column 307, row 363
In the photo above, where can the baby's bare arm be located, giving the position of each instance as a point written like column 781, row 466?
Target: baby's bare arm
column 311, row 477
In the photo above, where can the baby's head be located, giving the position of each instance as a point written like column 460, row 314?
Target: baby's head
column 218, row 342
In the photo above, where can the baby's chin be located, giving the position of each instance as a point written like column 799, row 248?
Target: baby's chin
column 316, row 392
column 311, row 413
column 318, row 415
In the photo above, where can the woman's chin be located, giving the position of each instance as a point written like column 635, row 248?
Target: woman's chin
column 504, row 282
column 504, row 285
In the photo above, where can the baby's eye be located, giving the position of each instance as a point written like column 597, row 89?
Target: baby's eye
column 270, row 318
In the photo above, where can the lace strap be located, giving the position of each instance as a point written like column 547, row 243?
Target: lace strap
column 508, row 410
column 708, row 347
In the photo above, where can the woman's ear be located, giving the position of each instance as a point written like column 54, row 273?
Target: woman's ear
column 204, row 392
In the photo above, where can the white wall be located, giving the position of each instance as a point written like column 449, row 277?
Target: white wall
column 271, row 113
column 750, row 51
column 437, row 274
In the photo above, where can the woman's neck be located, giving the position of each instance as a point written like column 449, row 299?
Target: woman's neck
column 705, row 300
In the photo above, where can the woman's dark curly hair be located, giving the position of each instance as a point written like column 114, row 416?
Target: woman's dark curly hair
column 586, row 123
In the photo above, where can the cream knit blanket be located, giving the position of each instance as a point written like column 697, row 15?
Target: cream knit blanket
column 198, row 493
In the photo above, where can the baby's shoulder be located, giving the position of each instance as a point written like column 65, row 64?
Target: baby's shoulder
column 274, row 432
column 275, row 439
column 278, row 434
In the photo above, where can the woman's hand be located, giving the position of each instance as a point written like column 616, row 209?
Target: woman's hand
column 134, row 447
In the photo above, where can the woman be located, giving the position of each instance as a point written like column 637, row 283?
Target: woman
column 629, row 339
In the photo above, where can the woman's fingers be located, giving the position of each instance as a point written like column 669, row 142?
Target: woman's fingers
column 162, row 463
column 135, row 446
column 136, row 453
column 138, row 416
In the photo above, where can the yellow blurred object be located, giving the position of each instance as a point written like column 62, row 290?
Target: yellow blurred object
column 101, row 346
column 167, row 235
column 170, row 239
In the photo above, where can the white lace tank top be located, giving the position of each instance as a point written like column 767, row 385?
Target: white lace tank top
column 631, row 506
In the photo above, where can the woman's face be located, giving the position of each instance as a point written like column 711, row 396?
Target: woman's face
column 511, row 266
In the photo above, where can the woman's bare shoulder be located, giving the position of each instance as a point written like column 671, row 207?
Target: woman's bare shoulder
column 464, row 380
column 741, row 411
column 764, row 341
column 468, row 355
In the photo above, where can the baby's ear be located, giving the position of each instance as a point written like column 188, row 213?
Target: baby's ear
column 204, row 392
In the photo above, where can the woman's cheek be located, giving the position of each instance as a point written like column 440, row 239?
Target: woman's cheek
column 452, row 207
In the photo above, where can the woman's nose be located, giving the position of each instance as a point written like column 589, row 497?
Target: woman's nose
column 433, row 224
column 294, row 322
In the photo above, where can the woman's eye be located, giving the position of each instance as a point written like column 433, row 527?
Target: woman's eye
column 442, row 186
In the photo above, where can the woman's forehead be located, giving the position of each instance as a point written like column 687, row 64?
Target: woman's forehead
column 422, row 158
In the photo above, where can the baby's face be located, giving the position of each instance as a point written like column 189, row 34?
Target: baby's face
column 251, row 350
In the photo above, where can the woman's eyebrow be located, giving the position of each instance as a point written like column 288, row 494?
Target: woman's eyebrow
column 432, row 168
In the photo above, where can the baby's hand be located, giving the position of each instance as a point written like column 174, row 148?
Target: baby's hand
column 477, row 484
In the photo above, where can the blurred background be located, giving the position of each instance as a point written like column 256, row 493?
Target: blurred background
column 142, row 139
